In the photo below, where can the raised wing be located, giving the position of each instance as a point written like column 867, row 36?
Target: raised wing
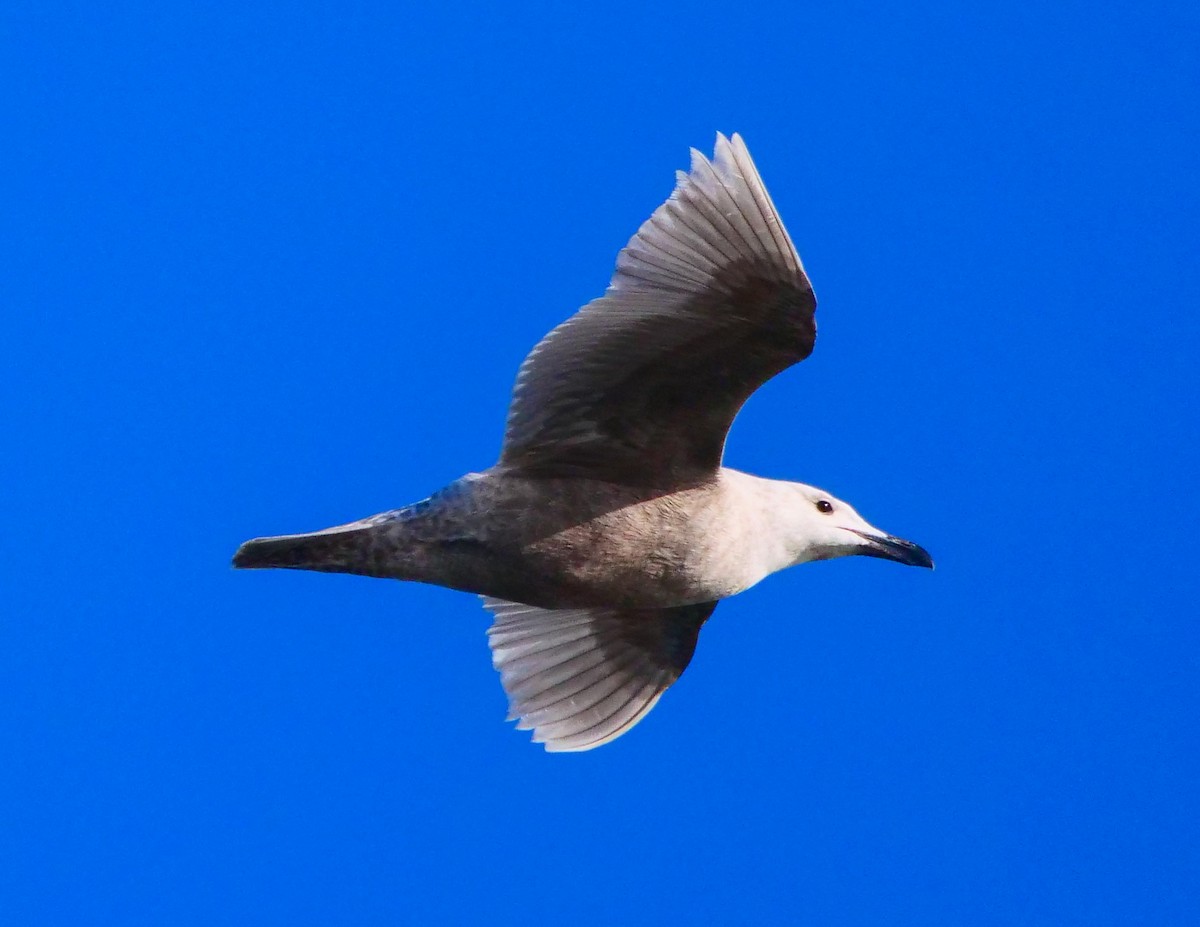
column 582, row 677
column 708, row 302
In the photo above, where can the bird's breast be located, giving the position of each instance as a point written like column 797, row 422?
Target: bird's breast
column 669, row 550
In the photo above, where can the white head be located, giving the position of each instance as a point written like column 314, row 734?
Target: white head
column 819, row 526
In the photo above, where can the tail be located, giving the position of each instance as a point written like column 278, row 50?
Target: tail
column 369, row 547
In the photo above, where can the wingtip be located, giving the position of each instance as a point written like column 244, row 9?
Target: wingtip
column 551, row 746
column 725, row 149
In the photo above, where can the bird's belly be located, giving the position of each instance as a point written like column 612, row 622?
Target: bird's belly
column 578, row 544
column 602, row 563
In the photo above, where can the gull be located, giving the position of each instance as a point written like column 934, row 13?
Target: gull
column 608, row 531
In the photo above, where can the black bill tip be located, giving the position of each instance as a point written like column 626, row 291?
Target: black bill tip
column 889, row 548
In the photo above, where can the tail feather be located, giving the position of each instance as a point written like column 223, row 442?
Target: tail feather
column 353, row 548
column 294, row 550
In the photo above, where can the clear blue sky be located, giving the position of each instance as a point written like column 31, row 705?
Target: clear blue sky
column 271, row 268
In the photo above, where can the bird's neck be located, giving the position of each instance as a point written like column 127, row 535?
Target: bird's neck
column 775, row 538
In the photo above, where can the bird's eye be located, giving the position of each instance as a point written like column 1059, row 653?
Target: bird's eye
column 825, row 506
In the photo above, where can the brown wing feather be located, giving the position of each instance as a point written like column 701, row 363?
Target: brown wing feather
column 708, row 302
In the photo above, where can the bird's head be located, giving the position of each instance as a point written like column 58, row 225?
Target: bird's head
column 824, row 527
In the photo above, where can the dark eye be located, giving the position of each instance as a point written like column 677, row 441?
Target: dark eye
column 824, row 506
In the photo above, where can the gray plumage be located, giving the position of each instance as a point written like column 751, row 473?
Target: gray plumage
column 607, row 532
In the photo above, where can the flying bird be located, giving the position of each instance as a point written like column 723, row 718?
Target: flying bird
column 608, row 531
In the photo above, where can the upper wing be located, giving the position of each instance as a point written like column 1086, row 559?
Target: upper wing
column 708, row 302
column 582, row 677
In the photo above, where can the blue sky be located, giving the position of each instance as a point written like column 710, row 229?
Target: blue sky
column 272, row 268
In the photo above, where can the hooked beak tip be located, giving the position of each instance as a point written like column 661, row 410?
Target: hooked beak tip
column 892, row 548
